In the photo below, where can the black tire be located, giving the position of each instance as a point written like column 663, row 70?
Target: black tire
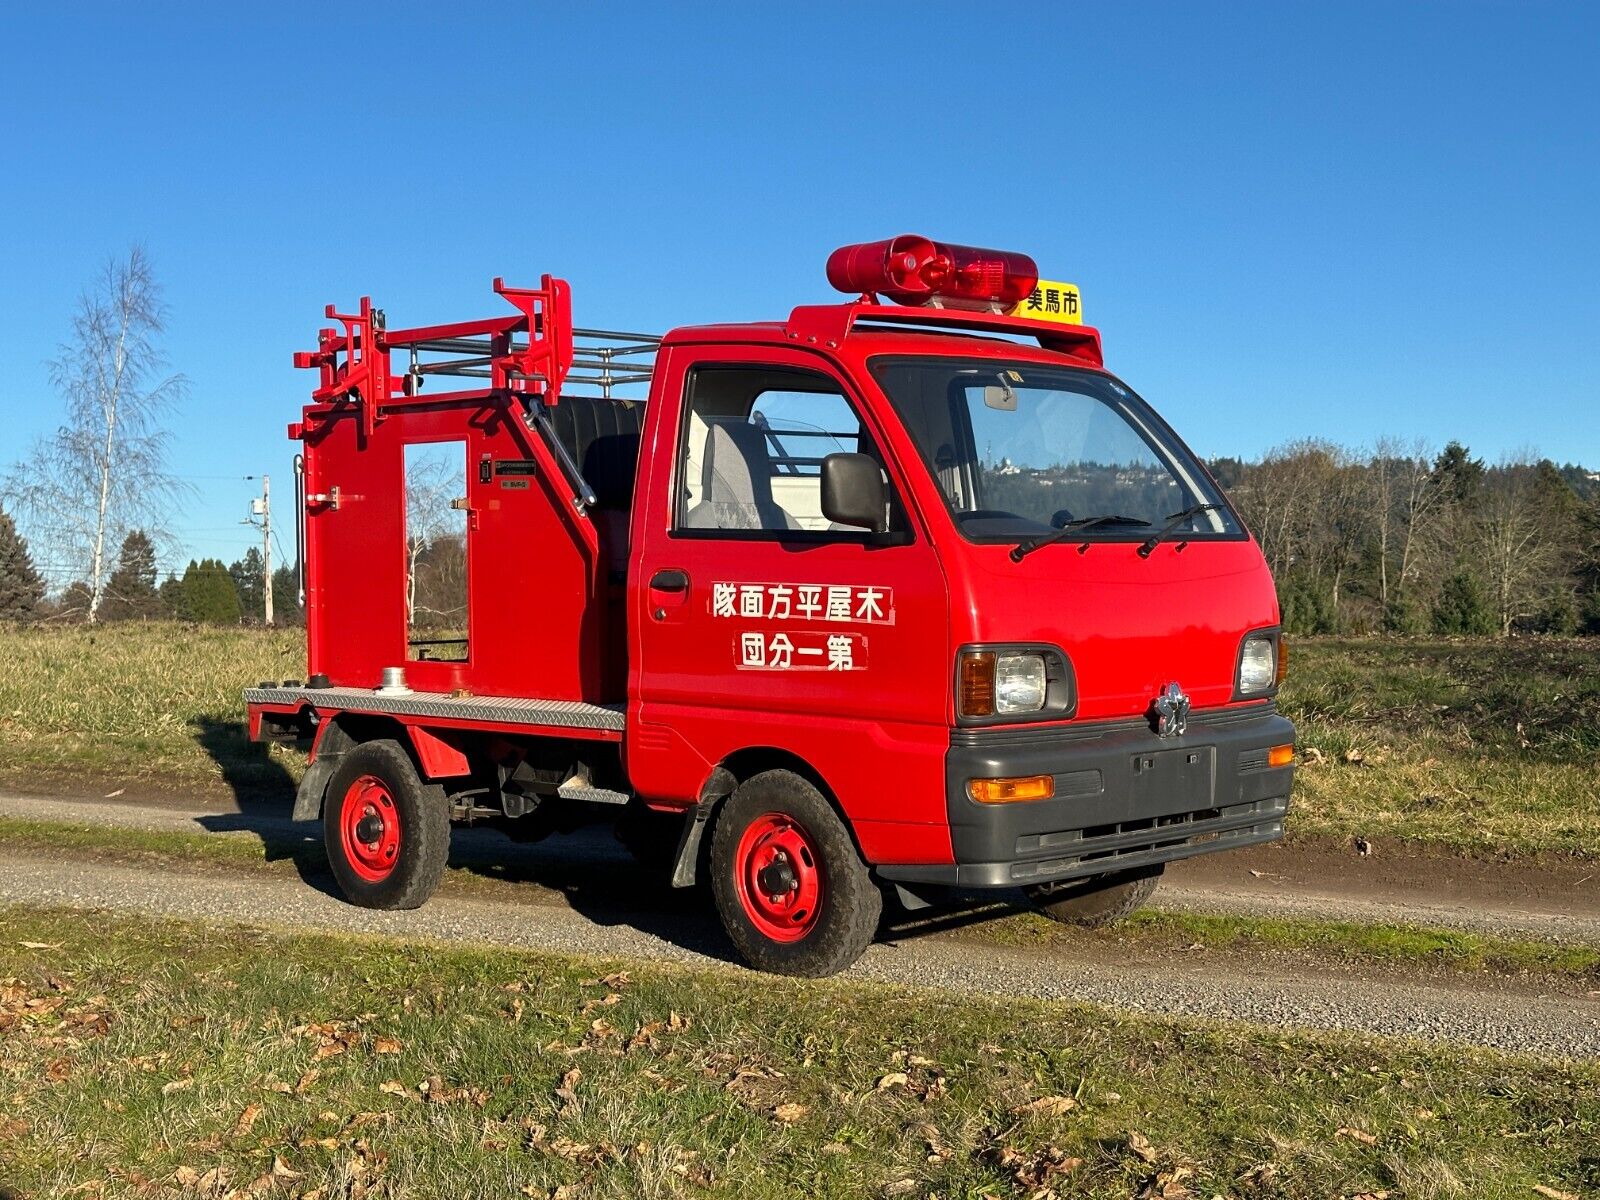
column 845, row 918
column 1098, row 901
column 379, row 775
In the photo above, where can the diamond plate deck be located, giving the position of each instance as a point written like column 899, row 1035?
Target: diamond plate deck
column 501, row 710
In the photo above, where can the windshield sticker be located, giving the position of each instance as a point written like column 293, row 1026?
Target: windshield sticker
column 835, row 603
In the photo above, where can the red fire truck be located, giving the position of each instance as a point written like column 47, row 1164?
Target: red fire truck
column 892, row 597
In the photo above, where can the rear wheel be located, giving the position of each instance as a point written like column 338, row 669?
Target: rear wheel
column 1097, row 901
column 386, row 842
column 790, row 886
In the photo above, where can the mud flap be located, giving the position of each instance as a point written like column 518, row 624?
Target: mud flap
column 327, row 750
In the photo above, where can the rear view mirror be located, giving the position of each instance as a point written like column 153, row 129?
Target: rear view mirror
column 853, row 493
column 1000, row 396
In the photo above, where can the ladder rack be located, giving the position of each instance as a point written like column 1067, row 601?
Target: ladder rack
column 603, row 359
column 533, row 355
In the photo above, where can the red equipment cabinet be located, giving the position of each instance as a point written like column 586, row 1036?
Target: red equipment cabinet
column 876, row 599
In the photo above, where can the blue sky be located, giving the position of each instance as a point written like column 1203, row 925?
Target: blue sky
column 1288, row 221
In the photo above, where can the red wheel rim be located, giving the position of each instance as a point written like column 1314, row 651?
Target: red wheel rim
column 779, row 877
column 369, row 828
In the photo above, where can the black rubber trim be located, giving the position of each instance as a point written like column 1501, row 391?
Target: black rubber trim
column 1229, row 835
column 1007, row 737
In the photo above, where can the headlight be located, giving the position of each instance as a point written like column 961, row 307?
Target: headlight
column 1002, row 683
column 1258, row 665
column 1018, row 683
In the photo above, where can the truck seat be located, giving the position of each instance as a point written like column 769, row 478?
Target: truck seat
column 736, row 482
column 610, row 465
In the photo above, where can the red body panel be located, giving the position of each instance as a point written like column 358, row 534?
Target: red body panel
column 888, row 707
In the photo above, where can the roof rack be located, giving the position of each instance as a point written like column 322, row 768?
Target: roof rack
column 535, row 355
column 832, row 323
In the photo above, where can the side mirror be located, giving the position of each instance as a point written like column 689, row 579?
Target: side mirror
column 853, row 492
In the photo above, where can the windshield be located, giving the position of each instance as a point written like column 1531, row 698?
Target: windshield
column 1020, row 449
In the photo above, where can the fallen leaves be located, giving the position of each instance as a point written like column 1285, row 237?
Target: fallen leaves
column 789, row 1113
column 437, row 1091
column 1139, row 1146
column 567, row 1091
column 247, row 1120
column 1355, row 1135
column 1045, row 1106
column 177, row 1085
column 1550, row 1193
column 1035, row 1170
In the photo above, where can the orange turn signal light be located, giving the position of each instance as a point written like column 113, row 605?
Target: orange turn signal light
column 1283, row 661
column 977, row 683
column 1280, row 756
column 1009, row 791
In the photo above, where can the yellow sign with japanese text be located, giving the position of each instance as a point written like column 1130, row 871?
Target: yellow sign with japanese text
column 1052, row 301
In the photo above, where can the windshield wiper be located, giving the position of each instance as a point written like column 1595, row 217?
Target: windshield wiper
column 1022, row 549
column 1173, row 522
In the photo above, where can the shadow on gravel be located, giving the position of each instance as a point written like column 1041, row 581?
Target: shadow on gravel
column 259, row 783
column 587, row 870
column 263, row 791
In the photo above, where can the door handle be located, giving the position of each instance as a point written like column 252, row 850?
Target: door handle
column 672, row 580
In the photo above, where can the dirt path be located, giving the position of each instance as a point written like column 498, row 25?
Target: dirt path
column 578, row 907
column 1556, row 900
column 1483, row 1012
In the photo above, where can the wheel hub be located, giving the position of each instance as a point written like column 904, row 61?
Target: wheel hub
column 780, row 878
column 369, row 826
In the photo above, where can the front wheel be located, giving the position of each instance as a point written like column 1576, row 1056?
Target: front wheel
column 386, row 842
column 1098, row 901
column 790, row 886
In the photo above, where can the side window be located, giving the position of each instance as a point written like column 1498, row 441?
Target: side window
column 436, row 551
column 753, row 446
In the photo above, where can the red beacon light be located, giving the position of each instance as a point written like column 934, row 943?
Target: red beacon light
column 912, row 270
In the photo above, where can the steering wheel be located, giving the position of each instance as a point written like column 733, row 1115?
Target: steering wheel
column 1060, row 518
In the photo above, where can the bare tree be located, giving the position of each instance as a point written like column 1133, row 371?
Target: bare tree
column 432, row 481
column 104, row 470
column 1520, row 557
column 1405, row 497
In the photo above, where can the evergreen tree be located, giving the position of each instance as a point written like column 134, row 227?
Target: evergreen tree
column 21, row 587
column 286, row 610
column 208, row 593
column 246, row 574
column 131, row 591
column 1459, row 474
column 75, row 600
column 169, row 598
column 1462, row 607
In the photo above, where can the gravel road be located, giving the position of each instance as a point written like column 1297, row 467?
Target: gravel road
column 1237, row 892
column 1486, row 1012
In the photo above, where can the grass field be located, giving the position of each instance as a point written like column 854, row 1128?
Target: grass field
column 1484, row 746
column 158, row 1058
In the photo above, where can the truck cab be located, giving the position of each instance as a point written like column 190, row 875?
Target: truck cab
column 892, row 598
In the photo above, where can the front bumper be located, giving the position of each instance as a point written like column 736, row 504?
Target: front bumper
column 1124, row 798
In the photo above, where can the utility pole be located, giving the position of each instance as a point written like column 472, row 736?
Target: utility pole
column 262, row 507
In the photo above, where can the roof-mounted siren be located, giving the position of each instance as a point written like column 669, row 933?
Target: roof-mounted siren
column 914, row 271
